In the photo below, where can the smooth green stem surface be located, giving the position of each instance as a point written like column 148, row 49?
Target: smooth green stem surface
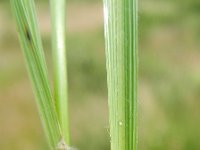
column 24, row 13
column 120, row 19
column 58, row 12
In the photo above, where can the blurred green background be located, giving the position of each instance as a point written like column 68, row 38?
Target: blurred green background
column 169, row 77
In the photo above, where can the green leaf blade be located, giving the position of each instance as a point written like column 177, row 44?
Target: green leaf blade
column 24, row 13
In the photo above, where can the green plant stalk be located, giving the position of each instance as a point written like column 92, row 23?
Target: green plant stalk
column 120, row 19
column 58, row 12
column 25, row 16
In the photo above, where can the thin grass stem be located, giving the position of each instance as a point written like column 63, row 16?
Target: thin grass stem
column 58, row 12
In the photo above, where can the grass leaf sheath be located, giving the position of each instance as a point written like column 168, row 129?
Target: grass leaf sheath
column 24, row 13
column 120, row 19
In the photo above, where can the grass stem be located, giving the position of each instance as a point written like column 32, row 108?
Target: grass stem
column 120, row 18
column 58, row 12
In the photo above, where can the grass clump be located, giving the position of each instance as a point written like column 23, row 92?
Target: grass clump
column 121, row 55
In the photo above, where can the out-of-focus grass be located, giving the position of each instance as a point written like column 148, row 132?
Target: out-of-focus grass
column 169, row 82
column 169, row 78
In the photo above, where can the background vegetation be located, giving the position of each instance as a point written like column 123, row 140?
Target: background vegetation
column 169, row 89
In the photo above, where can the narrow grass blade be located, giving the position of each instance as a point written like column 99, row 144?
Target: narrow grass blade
column 24, row 13
column 120, row 17
column 58, row 12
